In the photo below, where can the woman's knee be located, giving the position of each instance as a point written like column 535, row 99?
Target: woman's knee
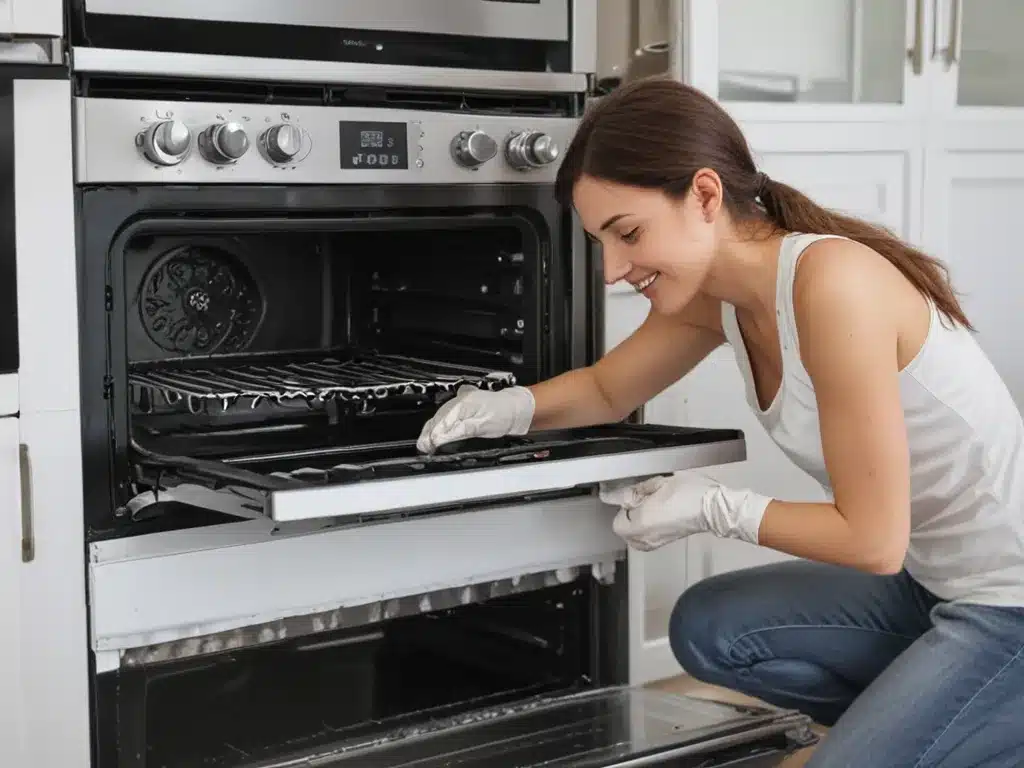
column 702, row 628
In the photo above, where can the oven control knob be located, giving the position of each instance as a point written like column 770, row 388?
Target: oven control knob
column 530, row 149
column 472, row 149
column 223, row 143
column 282, row 143
column 167, row 142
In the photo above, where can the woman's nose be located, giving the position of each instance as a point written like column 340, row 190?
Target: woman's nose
column 614, row 269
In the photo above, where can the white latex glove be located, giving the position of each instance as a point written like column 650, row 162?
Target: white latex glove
column 659, row 510
column 478, row 413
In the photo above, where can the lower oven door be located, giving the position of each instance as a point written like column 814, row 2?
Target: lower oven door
column 614, row 727
column 394, row 477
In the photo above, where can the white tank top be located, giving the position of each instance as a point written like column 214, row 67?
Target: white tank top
column 966, row 440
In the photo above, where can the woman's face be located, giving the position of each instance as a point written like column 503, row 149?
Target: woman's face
column 662, row 247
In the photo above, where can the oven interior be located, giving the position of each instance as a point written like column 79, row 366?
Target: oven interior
column 339, row 689
column 303, row 345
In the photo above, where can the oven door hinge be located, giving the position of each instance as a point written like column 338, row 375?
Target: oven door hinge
column 108, row 387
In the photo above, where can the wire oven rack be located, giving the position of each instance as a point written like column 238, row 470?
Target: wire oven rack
column 355, row 378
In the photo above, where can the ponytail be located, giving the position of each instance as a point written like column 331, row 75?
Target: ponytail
column 792, row 211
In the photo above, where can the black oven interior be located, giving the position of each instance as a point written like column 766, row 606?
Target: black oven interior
column 303, row 341
column 342, row 688
column 305, row 337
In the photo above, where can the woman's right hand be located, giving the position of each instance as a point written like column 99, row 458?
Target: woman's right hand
column 478, row 413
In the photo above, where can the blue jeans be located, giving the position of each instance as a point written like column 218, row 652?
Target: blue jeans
column 907, row 680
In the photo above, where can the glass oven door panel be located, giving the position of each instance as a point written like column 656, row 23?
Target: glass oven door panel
column 394, row 477
column 603, row 728
column 518, row 19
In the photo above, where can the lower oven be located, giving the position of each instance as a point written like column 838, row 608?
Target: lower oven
column 278, row 287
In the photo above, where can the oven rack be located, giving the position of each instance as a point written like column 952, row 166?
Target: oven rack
column 350, row 378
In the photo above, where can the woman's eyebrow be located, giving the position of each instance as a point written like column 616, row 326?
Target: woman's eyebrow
column 612, row 219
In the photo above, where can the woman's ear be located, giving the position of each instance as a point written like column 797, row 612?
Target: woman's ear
column 707, row 188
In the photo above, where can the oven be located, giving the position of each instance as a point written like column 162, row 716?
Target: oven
column 279, row 284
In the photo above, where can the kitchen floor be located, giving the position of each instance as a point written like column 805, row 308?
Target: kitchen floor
column 687, row 685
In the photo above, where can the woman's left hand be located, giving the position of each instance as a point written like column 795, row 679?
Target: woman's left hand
column 659, row 510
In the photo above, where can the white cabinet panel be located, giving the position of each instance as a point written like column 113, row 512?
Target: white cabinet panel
column 818, row 51
column 54, row 641
column 8, row 394
column 12, row 712
column 872, row 185
column 974, row 199
column 818, row 60
column 45, row 236
column 984, row 47
column 41, row 18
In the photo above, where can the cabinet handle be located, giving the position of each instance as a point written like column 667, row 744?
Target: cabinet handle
column 916, row 54
column 956, row 15
column 28, row 541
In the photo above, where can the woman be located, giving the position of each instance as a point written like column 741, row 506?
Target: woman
column 903, row 624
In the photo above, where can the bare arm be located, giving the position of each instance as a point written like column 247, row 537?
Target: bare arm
column 848, row 343
column 660, row 352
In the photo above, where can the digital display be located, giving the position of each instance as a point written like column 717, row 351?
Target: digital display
column 382, row 146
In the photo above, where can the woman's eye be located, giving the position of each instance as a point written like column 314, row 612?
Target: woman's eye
column 631, row 236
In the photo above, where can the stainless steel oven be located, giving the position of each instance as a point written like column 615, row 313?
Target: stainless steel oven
column 517, row 19
column 279, row 284
column 544, row 45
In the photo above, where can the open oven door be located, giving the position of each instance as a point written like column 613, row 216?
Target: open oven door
column 383, row 477
column 612, row 727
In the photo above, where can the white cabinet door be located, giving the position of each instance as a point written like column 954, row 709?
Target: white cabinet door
column 810, row 59
column 979, row 60
column 54, row 701
column 53, row 637
column 12, row 714
column 974, row 195
column 38, row 18
column 872, row 172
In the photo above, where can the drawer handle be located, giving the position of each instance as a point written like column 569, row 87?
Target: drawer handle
column 28, row 541
column 916, row 54
column 956, row 19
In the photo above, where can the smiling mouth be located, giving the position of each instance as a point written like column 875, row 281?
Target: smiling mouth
column 646, row 283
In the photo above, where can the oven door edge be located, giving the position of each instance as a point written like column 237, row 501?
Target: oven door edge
column 582, row 461
column 383, row 496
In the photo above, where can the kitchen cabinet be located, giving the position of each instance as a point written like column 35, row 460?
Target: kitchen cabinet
column 32, row 18
column 44, row 666
column 814, row 52
column 908, row 113
column 12, row 714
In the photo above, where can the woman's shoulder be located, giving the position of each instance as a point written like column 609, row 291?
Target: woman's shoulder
column 840, row 282
column 837, row 270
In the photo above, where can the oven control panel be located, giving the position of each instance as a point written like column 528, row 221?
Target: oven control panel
column 125, row 141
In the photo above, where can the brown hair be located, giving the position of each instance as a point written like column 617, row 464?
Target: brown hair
column 657, row 133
